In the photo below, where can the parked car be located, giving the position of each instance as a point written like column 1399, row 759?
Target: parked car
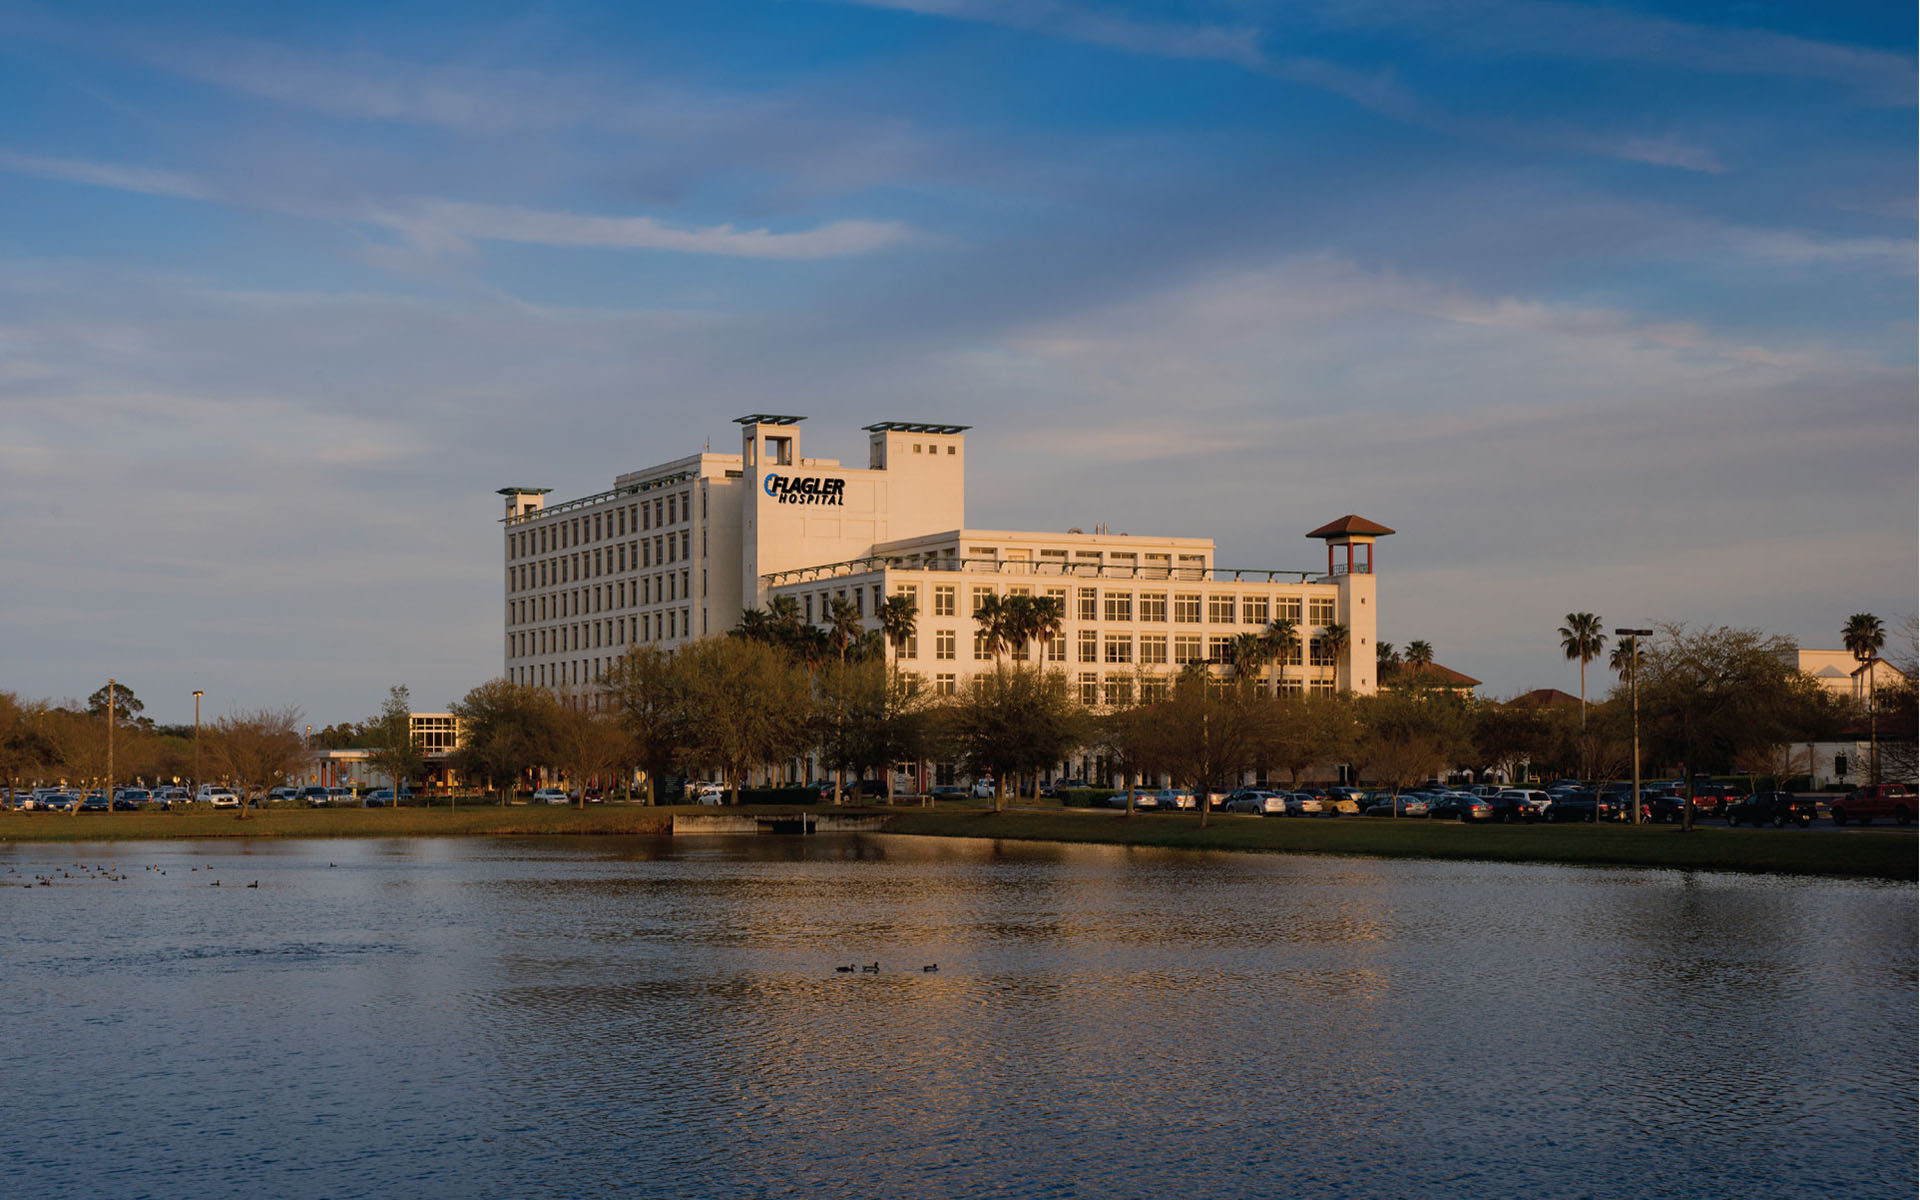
column 1406, row 804
column 1258, row 802
column 282, row 793
column 1064, row 785
column 131, row 799
column 95, row 802
column 218, row 795
column 1174, row 798
column 1514, row 805
column 314, row 795
column 1582, row 806
column 983, row 789
column 552, row 796
column 383, row 797
column 1715, row 798
column 1775, row 808
column 1461, row 806
column 947, row 791
column 167, row 797
column 53, row 802
column 1891, row 800
column 1305, row 804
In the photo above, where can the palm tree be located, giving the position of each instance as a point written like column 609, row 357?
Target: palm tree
column 1282, row 634
column 1249, row 653
column 990, row 618
column 1863, row 635
column 897, row 620
column 1046, row 620
column 1621, row 661
column 1581, row 638
column 1334, row 638
column 1386, row 658
column 843, row 626
column 1419, row 657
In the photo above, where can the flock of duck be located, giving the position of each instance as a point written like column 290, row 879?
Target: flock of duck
column 95, row 873
column 874, row 969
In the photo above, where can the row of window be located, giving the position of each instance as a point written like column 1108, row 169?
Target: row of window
column 1095, row 604
column 658, row 550
column 546, row 535
column 626, row 593
column 1118, row 690
column 1093, row 645
column 612, row 631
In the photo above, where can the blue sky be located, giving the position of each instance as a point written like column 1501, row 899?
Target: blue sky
column 1604, row 307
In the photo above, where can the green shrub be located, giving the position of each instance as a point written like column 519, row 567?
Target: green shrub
column 780, row 795
column 1086, row 797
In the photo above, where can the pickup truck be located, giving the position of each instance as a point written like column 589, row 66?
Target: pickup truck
column 1891, row 800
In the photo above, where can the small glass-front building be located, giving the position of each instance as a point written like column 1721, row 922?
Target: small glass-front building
column 678, row 551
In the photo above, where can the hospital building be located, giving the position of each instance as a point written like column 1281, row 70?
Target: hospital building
column 678, row 551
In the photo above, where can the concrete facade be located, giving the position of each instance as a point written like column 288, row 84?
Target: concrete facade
column 678, row 551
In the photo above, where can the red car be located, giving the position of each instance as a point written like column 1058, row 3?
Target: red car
column 1893, row 800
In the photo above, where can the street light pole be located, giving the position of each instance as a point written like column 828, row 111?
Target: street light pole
column 196, row 742
column 109, row 788
column 1865, row 657
column 1633, row 690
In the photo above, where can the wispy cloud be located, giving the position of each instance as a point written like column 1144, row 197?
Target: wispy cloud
column 1375, row 90
column 144, row 180
column 1588, row 32
column 451, row 224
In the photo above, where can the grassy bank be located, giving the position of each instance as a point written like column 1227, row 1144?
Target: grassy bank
column 1865, row 854
column 520, row 820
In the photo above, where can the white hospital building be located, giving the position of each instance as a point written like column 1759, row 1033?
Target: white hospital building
column 677, row 551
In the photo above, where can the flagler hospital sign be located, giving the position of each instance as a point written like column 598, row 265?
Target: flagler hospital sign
column 789, row 489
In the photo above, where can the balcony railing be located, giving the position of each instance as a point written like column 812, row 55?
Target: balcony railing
column 1063, row 570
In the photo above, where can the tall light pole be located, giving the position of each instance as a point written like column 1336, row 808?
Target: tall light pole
column 196, row 741
column 1865, row 656
column 109, row 787
column 1633, row 637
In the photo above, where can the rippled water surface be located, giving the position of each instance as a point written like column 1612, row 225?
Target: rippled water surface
column 663, row 1018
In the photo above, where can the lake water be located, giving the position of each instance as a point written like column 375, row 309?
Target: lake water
column 660, row 1017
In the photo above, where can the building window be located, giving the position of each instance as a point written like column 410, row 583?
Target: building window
column 1219, row 649
column 980, row 646
column 946, row 685
column 1089, row 688
column 1057, row 648
column 1291, row 687
column 943, row 599
column 1119, row 691
column 979, row 597
column 1152, row 691
column 1089, row 604
column 1290, row 653
column 1119, row 606
column 1186, row 649
column 1089, row 645
column 909, row 647
column 1153, row 649
column 1320, row 687
column 1220, row 610
column 908, row 591
column 1253, row 610
column 1153, row 606
column 686, row 543
column 1286, row 608
column 1119, row 648
column 1318, row 654
column 1320, row 610
column 943, row 643
column 807, row 606
column 1186, row 608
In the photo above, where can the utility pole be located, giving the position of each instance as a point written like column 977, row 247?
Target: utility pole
column 196, row 744
column 1633, row 690
column 109, row 789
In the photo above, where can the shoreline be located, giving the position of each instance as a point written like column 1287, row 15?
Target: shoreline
column 1864, row 854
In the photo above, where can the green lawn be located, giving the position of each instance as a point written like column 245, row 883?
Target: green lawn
column 1867, row 854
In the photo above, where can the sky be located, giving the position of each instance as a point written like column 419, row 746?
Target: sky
column 1604, row 308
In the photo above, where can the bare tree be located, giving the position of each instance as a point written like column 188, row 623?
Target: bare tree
column 257, row 749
